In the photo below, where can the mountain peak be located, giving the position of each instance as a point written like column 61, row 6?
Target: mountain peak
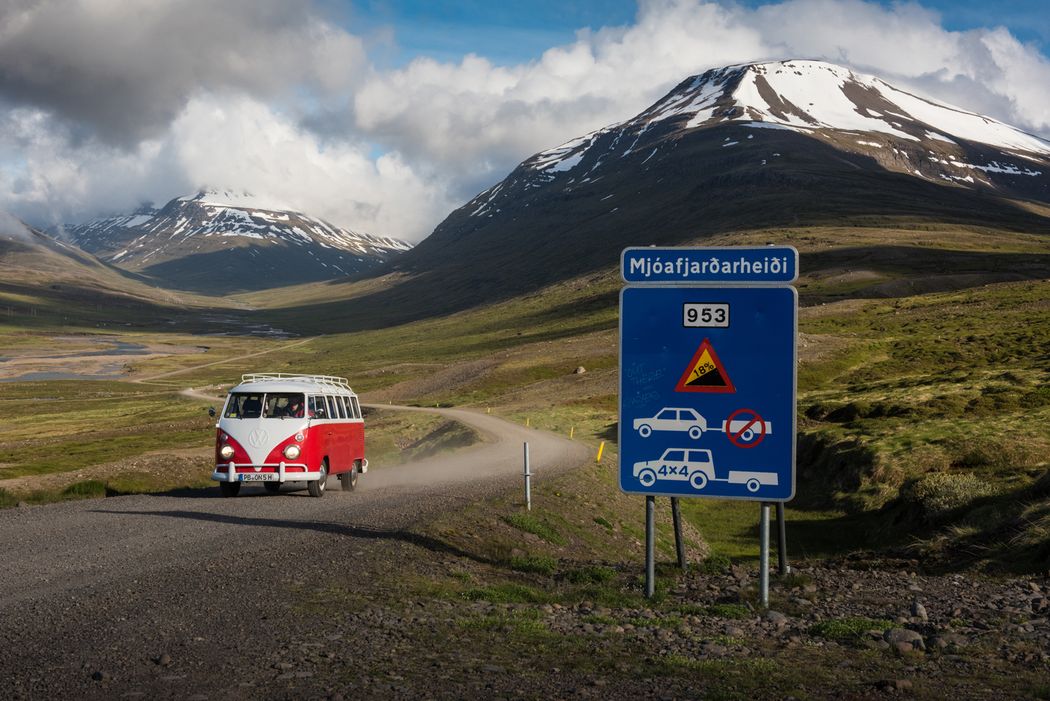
column 239, row 199
column 860, row 112
column 227, row 239
column 805, row 95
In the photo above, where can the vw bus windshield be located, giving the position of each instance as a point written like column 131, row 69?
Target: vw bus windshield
column 244, row 405
column 275, row 405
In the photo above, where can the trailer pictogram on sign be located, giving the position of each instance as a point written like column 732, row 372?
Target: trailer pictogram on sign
column 745, row 428
column 705, row 373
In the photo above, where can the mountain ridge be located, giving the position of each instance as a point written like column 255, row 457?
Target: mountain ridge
column 224, row 241
column 654, row 179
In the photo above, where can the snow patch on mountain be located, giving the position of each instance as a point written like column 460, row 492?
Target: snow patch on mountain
column 213, row 220
column 811, row 95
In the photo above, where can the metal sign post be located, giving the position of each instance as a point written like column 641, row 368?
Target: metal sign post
column 763, row 555
column 650, row 546
column 707, row 379
column 528, row 481
column 679, row 544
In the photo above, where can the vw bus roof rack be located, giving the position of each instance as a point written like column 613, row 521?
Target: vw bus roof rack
column 330, row 380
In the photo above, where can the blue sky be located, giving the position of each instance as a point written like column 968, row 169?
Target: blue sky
column 512, row 32
column 322, row 104
column 505, row 33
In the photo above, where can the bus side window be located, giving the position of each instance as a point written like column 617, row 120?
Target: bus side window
column 317, row 408
column 332, row 413
column 348, row 412
column 338, row 407
column 357, row 407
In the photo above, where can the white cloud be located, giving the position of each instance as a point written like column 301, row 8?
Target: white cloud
column 279, row 101
column 218, row 142
column 12, row 228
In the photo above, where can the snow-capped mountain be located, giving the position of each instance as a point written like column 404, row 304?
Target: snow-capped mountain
column 224, row 241
column 855, row 112
column 762, row 150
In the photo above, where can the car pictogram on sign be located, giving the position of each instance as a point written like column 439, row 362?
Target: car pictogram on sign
column 673, row 419
column 697, row 466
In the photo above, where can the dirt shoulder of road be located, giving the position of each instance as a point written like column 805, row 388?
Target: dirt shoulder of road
column 185, row 466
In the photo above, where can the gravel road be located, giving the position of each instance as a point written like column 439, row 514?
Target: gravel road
column 175, row 595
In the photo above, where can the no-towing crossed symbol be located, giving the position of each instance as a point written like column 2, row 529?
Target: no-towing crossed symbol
column 705, row 373
column 746, row 432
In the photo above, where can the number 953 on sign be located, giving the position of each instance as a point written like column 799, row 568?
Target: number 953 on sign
column 709, row 315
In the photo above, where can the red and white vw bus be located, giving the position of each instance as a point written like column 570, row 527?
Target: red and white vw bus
column 278, row 427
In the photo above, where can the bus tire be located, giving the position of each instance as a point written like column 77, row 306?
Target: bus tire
column 349, row 479
column 272, row 487
column 229, row 489
column 316, row 487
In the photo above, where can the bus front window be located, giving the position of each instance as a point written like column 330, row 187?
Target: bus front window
column 243, row 405
column 283, row 406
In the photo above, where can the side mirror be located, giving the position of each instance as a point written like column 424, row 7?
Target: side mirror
column 211, row 411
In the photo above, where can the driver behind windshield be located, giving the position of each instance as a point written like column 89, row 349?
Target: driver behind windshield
column 282, row 406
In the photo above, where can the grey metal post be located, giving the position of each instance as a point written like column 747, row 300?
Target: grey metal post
column 763, row 556
column 782, row 546
column 679, row 544
column 650, row 546
column 528, row 480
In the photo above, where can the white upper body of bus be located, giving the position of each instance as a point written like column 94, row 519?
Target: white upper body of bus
column 285, row 403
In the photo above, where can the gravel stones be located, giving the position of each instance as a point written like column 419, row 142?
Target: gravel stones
column 904, row 640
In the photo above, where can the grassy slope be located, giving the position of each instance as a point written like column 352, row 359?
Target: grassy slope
column 891, row 388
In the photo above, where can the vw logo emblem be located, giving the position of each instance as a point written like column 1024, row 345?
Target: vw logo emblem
column 257, row 438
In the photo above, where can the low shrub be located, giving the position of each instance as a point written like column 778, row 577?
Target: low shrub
column 715, row 564
column 88, row 489
column 531, row 524
column 592, row 574
column 734, row 611
column 998, row 454
column 535, row 564
column 846, row 629
column 939, row 493
column 7, row 500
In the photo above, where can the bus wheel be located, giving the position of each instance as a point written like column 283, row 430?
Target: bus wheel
column 230, row 489
column 316, row 487
column 349, row 479
column 272, row 487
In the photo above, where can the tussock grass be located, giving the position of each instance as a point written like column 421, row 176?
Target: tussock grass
column 848, row 629
column 536, row 526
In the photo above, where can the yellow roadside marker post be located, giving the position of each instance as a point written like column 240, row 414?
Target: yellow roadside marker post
column 601, row 447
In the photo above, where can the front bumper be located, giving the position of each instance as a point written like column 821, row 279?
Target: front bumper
column 229, row 472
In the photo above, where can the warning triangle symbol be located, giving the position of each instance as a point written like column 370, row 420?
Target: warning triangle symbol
column 705, row 373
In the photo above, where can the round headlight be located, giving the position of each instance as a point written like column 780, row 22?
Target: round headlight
column 291, row 452
column 226, row 451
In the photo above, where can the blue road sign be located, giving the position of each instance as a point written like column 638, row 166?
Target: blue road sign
column 707, row 391
column 713, row 265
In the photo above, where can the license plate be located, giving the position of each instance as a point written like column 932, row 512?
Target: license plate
column 259, row 477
